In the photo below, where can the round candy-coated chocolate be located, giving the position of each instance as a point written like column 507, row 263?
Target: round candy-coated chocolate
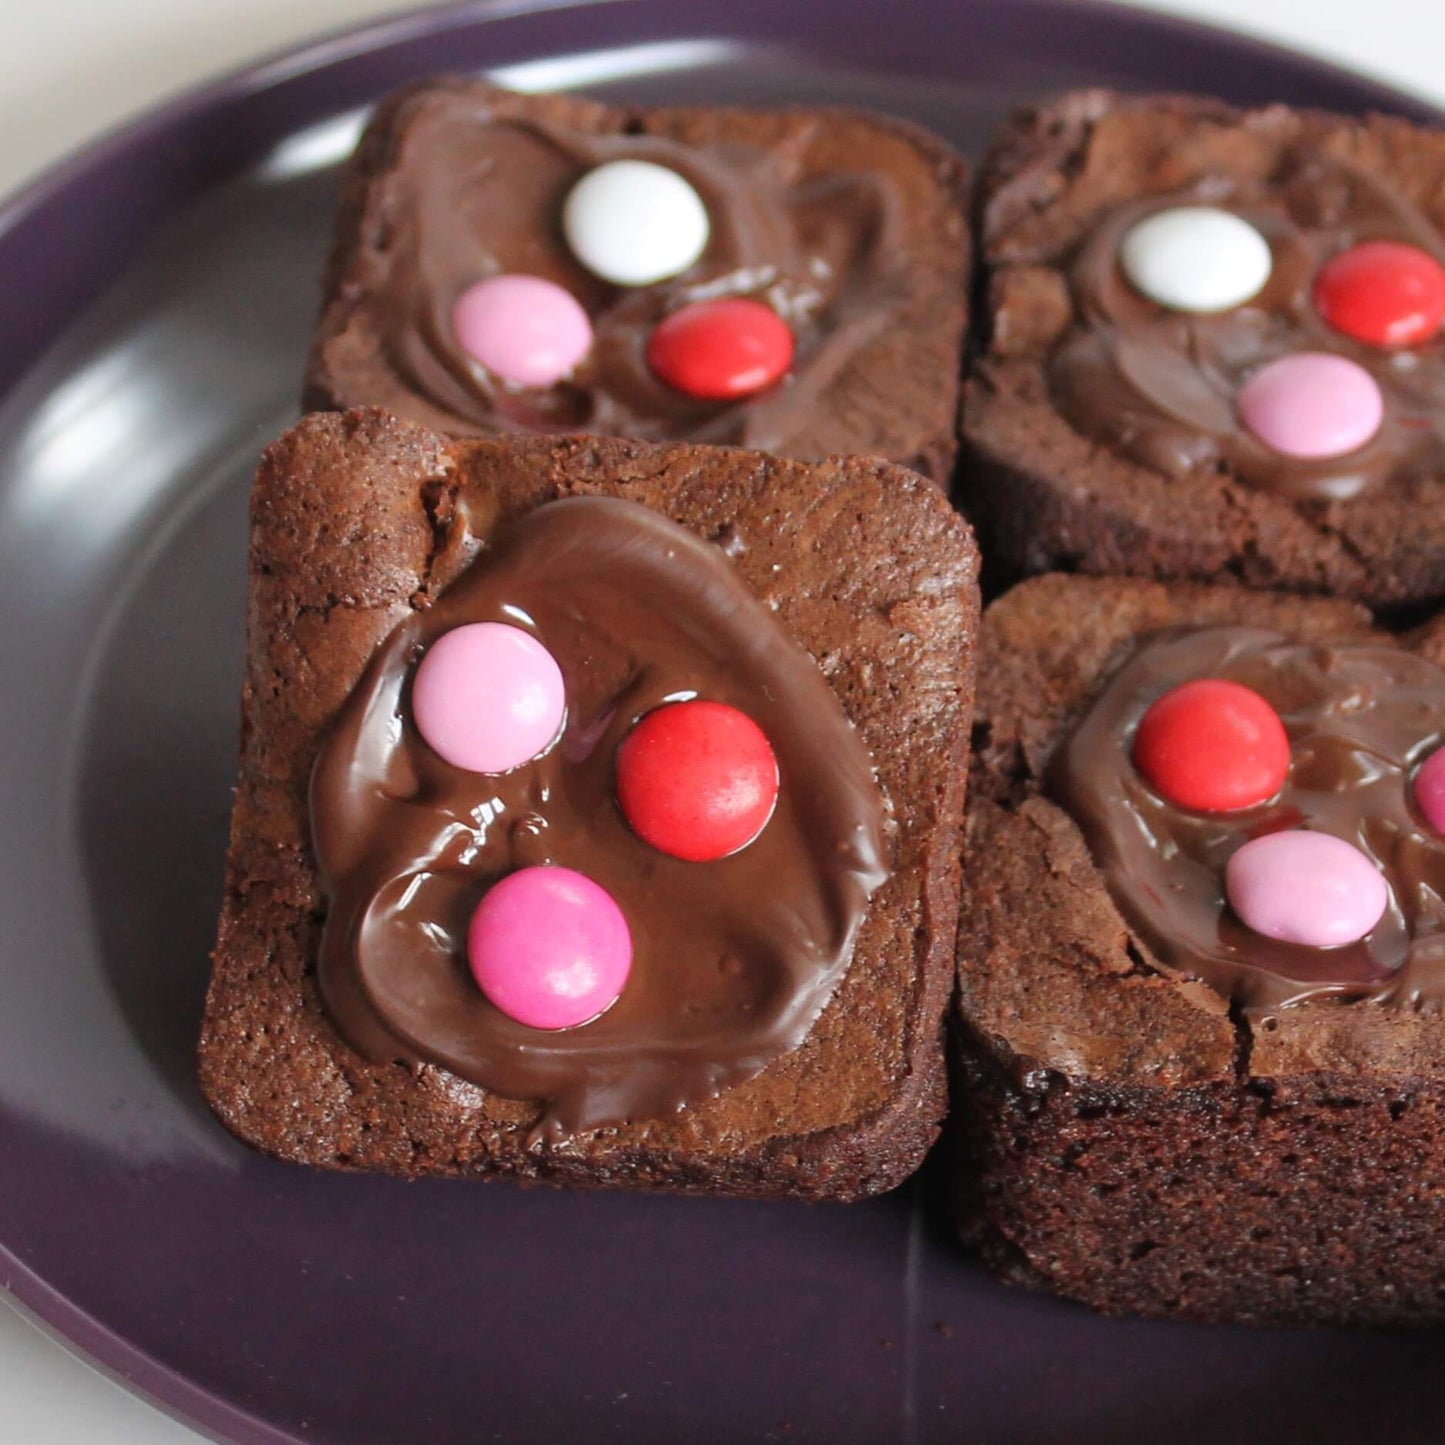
column 697, row 780
column 1212, row 746
column 634, row 222
column 488, row 697
column 523, row 329
column 1384, row 293
column 1304, row 887
column 1312, row 404
column 719, row 350
column 549, row 947
column 1430, row 789
column 1195, row 258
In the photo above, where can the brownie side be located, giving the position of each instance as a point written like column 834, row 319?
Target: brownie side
column 354, row 523
column 895, row 396
column 1125, row 1138
column 1043, row 495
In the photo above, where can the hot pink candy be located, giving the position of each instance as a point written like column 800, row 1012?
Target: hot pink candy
column 550, row 948
column 1312, row 404
column 488, row 697
column 523, row 329
column 1430, row 790
column 1305, row 887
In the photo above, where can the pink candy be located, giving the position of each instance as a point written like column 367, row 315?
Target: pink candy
column 522, row 329
column 1304, row 887
column 1430, row 789
column 488, row 697
column 550, row 948
column 1312, row 404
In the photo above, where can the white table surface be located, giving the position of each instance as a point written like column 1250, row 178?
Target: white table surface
column 71, row 68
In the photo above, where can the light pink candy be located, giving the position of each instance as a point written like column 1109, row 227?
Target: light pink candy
column 1305, row 887
column 488, row 697
column 1312, row 404
column 522, row 329
column 1430, row 789
column 549, row 947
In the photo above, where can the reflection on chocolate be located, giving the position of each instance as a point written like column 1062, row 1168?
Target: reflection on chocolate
column 476, row 195
column 734, row 959
column 1359, row 719
column 1159, row 386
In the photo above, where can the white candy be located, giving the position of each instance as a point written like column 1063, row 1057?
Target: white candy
column 1195, row 258
column 633, row 223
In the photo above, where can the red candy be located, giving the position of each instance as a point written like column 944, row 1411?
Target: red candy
column 721, row 350
column 1212, row 746
column 697, row 780
column 1382, row 292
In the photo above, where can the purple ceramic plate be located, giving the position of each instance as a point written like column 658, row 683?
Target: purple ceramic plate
column 158, row 291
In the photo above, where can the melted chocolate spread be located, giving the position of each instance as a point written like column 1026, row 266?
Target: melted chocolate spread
column 474, row 195
column 733, row 960
column 1360, row 718
column 1159, row 385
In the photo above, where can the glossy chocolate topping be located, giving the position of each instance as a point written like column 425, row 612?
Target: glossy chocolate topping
column 1360, row 718
column 474, row 194
column 733, row 959
column 1159, row 385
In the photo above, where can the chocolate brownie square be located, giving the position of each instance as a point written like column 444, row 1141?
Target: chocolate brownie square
column 1169, row 1101
column 849, row 228
column 780, row 1032
column 1210, row 347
